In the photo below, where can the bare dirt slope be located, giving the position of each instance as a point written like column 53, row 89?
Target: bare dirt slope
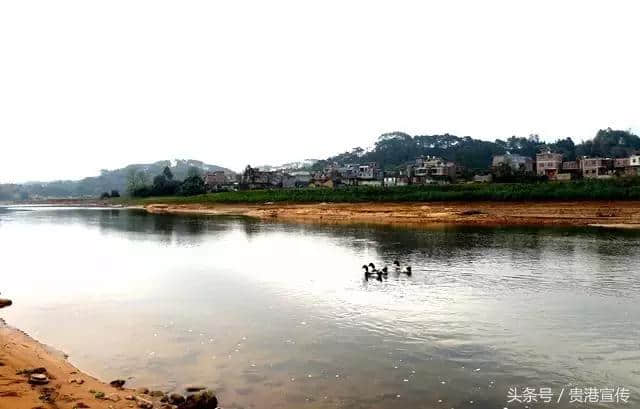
column 613, row 214
column 67, row 388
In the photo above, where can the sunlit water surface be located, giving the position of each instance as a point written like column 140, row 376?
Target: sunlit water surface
column 276, row 315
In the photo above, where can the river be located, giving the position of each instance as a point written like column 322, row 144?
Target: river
column 277, row 315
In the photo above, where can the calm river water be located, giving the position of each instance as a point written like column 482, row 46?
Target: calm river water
column 275, row 315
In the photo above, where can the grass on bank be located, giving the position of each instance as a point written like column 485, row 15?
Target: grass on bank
column 616, row 189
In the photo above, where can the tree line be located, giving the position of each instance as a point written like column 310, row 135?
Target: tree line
column 165, row 184
column 394, row 150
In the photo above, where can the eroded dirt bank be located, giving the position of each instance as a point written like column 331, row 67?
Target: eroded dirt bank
column 35, row 376
column 67, row 387
column 623, row 214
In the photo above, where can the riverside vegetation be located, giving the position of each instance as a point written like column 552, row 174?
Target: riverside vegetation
column 613, row 189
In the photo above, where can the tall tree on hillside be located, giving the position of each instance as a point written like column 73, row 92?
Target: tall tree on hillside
column 167, row 173
column 393, row 148
column 136, row 179
column 193, row 185
column 566, row 147
column 193, row 171
column 610, row 143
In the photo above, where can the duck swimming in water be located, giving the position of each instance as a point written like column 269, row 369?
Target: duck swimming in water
column 399, row 270
column 373, row 271
column 368, row 274
column 366, row 271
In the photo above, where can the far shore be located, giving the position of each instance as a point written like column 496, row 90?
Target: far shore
column 615, row 214
column 624, row 214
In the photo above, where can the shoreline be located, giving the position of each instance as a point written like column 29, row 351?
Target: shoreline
column 607, row 214
column 618, row 214
column 67, row 387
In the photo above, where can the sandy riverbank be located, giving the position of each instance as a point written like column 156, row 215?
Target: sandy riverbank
column 67, row 386
column 588, row 213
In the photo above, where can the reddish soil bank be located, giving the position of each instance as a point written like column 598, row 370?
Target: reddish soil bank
column 624, row 214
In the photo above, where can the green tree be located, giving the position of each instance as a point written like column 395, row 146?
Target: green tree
column 167, row 173
column 566, row 147
column 193, row 171
column 193, row 185
column 136, row 179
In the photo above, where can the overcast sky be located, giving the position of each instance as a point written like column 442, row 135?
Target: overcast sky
column 86, row 85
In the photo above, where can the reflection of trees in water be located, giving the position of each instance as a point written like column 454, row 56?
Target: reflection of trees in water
column 252, row 226
column 452, row 241
column 542, row 255
column 441, row 243
column 166, row 228
column 596, row 258
column 438, row 243
column 610, row 249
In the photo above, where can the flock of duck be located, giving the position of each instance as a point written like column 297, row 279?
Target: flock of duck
column 370, row 270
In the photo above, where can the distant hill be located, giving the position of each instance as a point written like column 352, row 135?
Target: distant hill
column 396, row 149
column 291, row 166
column 108, row 180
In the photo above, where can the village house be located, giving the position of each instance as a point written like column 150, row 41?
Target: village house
column 485, row 178
column 296, row 179
column 361, row 175
column 592, row 168
column 431, row 169
column 548, row 164
column 253, row 178
column 621, row 163
column 596, row 167
column 622, row 167
column 367, row 175
column 515, row 162
column 395, row 178
column 570, row 170
column 329, row 177
column 634, row 165
column 350, row 174
column 215, row 181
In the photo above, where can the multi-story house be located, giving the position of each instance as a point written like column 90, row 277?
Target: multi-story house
column 431, row 169
column 627, row 166
column 396, row 178
column 621, row 163
column 215, row 180
column 596, row 167
column 515, row 162
column 253, row 178
column 570, row 170
column 296, row 179
column 361, row 175
column 548, row 164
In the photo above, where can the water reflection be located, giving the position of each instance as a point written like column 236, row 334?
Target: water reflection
column 278, row 315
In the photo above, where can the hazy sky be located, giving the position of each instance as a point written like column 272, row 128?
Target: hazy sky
column 86, row 85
